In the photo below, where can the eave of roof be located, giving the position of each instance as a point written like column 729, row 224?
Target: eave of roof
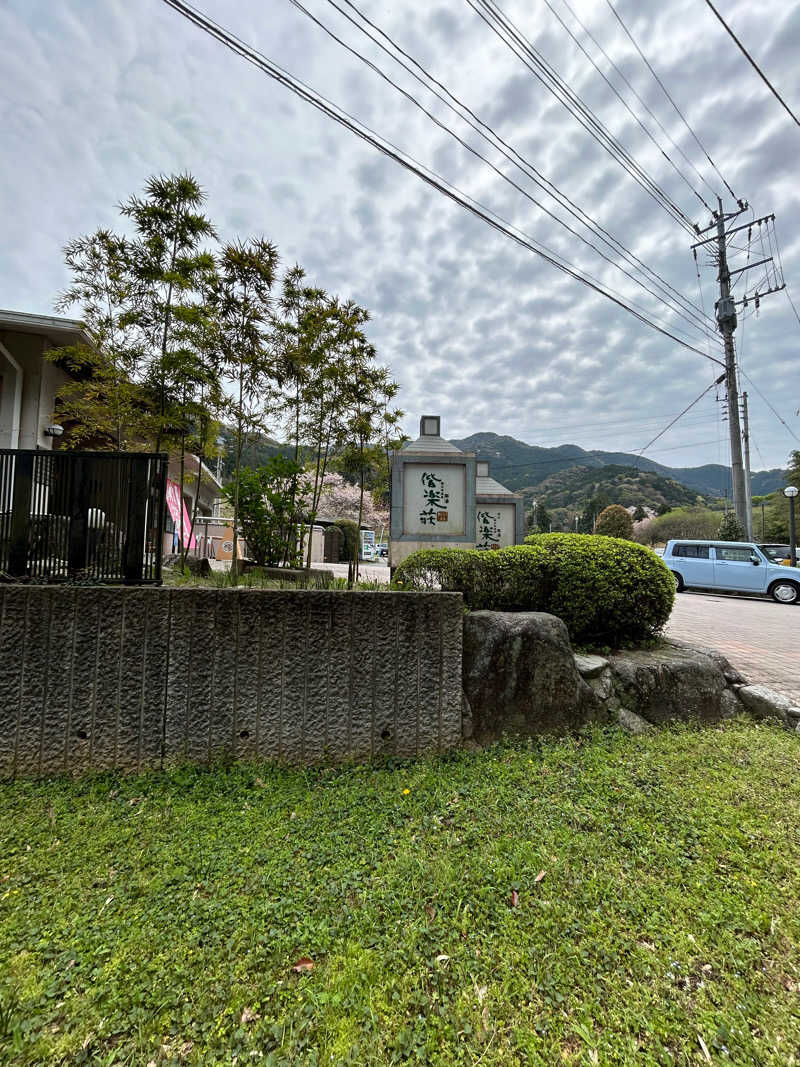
column 57, row 330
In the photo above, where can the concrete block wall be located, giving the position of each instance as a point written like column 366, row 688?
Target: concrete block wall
column 100, row 678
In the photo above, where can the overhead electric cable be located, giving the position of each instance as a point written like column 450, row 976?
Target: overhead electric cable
column 510, row 153
column 705, row 328
column 771, row 408
column 755, row 65
column 641, row 100
column 689, row 408
column 629, row 109
column 666, row 93
column 391, row 151
column 546, row 74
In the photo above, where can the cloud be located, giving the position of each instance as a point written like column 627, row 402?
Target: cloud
column 99, row 94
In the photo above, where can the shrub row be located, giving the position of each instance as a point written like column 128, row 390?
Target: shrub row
column 606, row 590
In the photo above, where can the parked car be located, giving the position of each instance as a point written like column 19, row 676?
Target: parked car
column 736, row 567
column 777, row 553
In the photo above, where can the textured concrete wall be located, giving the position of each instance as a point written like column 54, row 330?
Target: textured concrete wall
column 94, row 678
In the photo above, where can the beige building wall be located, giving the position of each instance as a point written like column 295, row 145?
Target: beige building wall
column 41, row 380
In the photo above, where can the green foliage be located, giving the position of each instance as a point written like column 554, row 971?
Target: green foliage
column 157, row 918
column 266, row 510
column 615, row 521
column 351, row 539
column 606, row 590
column 696, row 522
column 730, row 529
column 576, row 487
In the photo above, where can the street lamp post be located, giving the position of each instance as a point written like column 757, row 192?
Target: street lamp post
column 791, row 492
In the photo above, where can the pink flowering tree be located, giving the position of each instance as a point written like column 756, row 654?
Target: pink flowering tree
column 339, row 499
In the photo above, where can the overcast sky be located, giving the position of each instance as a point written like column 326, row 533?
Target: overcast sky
column 100, row 94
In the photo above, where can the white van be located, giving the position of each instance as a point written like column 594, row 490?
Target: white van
column 736, row 567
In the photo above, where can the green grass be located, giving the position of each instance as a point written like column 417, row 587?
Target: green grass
column 157, row 919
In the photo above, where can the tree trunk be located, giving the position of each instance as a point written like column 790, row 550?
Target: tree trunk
column 239, row 446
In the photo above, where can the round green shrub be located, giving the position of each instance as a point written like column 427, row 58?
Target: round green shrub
column 608, row 591
column 350, row 539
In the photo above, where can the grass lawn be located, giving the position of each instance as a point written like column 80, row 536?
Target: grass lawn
column 600, row 900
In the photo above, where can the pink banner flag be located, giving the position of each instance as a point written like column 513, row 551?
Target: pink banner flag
column 174, row 503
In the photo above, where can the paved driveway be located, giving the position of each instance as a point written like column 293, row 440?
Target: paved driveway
column 759, row 637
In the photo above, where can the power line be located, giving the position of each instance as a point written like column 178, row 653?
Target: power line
column 666, row 93
column 512, row 37
column 689, row 408
column 347, row 121
column 771, row 408
column 692, row 319
column 459, row 108
column 643, row 102
column 629, row 109
column 755, row 65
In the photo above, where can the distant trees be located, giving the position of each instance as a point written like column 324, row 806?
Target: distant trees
column 187, row 336
column 538, row 519
column 699, row 522
column 730, row 529
column 615, row 521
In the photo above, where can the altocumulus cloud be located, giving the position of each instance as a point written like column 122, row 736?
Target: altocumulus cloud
column 99, row 94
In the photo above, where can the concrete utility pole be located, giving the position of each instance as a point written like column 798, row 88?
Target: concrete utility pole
column 726, row 320
column 747, row 486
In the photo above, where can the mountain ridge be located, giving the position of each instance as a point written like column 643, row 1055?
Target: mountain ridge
column 519, row 465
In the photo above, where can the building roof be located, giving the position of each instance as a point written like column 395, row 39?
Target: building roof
column 429, row 439
column 57, row 330
column 486, row 486
column 431, row 443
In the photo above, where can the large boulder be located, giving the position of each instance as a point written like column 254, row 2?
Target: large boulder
column 673, row 682
column 765, row 703
column 519, row 676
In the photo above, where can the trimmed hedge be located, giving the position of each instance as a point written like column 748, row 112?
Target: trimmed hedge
column 607, row 590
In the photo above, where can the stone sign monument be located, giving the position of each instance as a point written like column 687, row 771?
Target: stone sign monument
column 443, row 497
column 433, row 494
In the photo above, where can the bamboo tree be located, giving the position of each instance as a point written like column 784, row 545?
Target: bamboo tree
column 243, row 309
column 102, row 402
column 165, row 264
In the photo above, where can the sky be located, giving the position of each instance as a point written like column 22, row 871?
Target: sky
column 100, row 94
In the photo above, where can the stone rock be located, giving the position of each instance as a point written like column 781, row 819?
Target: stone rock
column 765, row 703
column 731, row 675
column 730, row 704
column 466, row 717
column 519, row 676
column 671, row 682
column 590, row 666
column 632, row 722
column 197, row 565
column 603, row 684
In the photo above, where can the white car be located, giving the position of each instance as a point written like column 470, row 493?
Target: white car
column 736, row 567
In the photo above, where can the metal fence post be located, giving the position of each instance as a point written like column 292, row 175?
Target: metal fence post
column 20, row 514
column 78, row 517
column 133, row 565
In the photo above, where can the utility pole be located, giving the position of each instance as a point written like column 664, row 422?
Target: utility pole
column 726, row 322
column 748, row 489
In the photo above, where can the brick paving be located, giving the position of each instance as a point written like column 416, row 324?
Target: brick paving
column 759, row 637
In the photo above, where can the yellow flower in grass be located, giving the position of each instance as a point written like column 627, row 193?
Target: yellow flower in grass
column 406, row 792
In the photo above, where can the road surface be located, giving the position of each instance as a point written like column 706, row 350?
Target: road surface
column 759, row 637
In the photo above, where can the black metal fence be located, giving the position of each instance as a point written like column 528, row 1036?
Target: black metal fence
column 82, row 515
